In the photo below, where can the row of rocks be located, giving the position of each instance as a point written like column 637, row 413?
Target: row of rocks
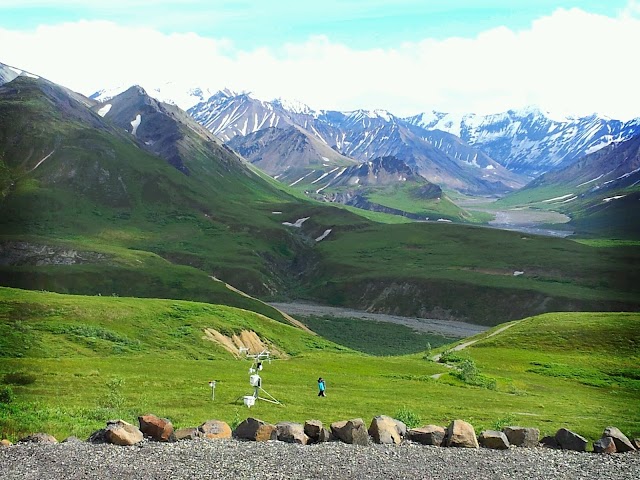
column 382, row 430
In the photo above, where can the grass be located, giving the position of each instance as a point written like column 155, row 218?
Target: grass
column 373, row 337
column 96, row 358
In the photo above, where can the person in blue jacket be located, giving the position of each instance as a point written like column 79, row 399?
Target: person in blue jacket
column 321, row 387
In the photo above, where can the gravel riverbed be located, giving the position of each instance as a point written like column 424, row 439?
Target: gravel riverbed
column 430, row 325
column 233, row 459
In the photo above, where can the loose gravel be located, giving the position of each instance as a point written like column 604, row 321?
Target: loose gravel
column 233, row 459
column 430, row 325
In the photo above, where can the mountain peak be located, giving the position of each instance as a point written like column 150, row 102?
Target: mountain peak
column 294, row 106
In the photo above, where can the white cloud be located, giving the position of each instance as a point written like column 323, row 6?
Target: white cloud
column 570, row 62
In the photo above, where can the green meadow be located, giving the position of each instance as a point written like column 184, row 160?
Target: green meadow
column 70, row 363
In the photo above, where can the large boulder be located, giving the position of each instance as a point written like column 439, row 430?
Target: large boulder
column 119, row 432
column 623, row 444
column 215, row 430
column 256, row 430
column 604, row 445
column 40, row 437
column 351, row 431
column 522, row 436
column 568, row 440
column 291, row 433
column 428, row 435
column 159, row 429
column 461, row 434
column 384, row 430
column 316, row 431
column 493, row 439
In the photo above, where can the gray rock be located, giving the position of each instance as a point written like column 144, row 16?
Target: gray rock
column 604, row 445
column 291, row 433
column 188, row 433
column 569, row 440
column 351, row 431
column 256, row 430
column 384, row 430
column 549, row 442
column 623, row 444
column 522, row 436
column 461, row 434
column 39, row 438
column 401, row 427
column 428, row 435
column 316, row 431
column 493, row 439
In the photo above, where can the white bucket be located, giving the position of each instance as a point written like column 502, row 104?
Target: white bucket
column 249, row 400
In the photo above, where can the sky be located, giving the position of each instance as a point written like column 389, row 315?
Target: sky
column 567, row 57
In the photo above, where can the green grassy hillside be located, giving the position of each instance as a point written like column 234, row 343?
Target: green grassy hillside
column 75, row 362
column 416, row 269
column 86, row 209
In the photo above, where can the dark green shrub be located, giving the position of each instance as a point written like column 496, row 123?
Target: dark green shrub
column 408, row 417
column 18, row 378
column 6, row 395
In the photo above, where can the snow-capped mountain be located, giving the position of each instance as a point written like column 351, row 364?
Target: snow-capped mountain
column 530, row 141
column 171, row 93
column 359, row 134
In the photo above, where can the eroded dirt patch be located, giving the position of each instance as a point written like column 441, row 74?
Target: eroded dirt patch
column 245, row 339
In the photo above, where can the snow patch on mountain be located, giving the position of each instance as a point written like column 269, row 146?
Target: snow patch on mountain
column 104, row 110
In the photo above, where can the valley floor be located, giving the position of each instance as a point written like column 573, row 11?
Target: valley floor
column 277, row 460
column 429, row 325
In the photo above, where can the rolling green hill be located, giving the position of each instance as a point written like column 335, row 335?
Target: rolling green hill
column 88, row 207
column 74, row 362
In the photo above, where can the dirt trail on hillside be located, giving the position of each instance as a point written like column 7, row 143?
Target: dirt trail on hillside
column 462, row 346
column 443, row 327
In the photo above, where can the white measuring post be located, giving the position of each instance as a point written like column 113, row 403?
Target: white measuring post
column 212, row 384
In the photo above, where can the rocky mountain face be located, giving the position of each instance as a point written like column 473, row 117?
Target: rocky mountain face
column 529, row 141
column 167, row 131
column 616, row 166
column 272, row 150
column 361, row 135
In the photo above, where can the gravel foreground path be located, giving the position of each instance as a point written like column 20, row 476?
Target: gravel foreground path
column 232, row 459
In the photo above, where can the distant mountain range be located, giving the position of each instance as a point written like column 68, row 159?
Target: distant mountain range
column 529, row 141
column 359, row 135
column 476, row 154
